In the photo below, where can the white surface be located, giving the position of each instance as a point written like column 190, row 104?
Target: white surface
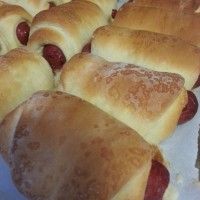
column 180, row 150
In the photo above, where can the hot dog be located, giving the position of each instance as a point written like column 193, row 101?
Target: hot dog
column 22, row 32
column 154, row 51
column 54, row 55
column 93, row 157
column 114, row 12
column 87, row 48
column 158, row 181
column 13, row 17
column 197, row 84
column 62, row 31
column 190, row 109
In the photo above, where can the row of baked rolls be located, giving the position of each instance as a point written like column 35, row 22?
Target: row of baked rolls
column 14, row 27
column 61, row 147
column 186, row 6
column 179, row 24
column 34, row 7
column 150, row 102
column 62, row 31
column 154, row 51
column 72, row 23
column 22, row 73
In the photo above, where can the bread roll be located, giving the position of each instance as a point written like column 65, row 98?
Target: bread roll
column 178, row 24
column 60, row 147
column 106, row 5
column 21, row 74
column 147, row 49
column 35, row 6
column 149, row 102
column 11, row 17
column 187, row 6
column 62, row 31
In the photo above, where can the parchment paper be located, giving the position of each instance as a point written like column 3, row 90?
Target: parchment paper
column 180, row 150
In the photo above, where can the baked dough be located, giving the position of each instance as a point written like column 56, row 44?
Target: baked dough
column 60, row 147
column 22, row 73
column 147, row 49
column 150, row 102
column 69, row 26
column 187, row 6
column 10, row 17
column 35, row 6
column 178, row 24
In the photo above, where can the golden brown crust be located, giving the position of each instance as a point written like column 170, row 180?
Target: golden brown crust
column 35, row 6
column 8, row 9
column 73, row 23
column 147, row 49
column 131, row 94
column 184, row 26
column 106, row 5
column 188, row 6
column 21, row 74
column 58, row 152
column 10, row 17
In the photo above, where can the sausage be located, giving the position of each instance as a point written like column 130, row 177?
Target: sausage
column 87, row 48
column 197, row 84
column 22, row 32
column 114, row 12
column 158, row 181
column 190, row 109
column 54, row 56
column 51, row 4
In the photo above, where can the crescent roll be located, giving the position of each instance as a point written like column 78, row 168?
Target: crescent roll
column 14, row 27
column 188, row 6
column 178, row 24
column 22, row 73
column 154, row 51
column 61, row 147
column 62, row 31
column 106, row 5
column 35, row 6
column 150, row 102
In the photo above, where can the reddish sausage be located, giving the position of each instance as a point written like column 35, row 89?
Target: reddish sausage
column 190, row 109
column 197, row 84
column 114, row 12
column 22, row 32
column 87, row 48
column 54, row 56
column 157, row 182
column 51, row 4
